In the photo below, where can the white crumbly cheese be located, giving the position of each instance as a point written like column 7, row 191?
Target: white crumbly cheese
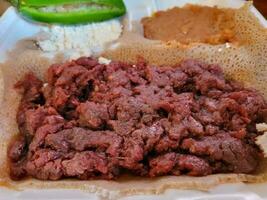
column 227, row 45
column 261, row 127
column 80, row 40
column 104, row 61
column 262, row 139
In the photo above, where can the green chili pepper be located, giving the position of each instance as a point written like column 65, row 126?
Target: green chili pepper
column 78, row 11
column 42, row 3
column 14, row 2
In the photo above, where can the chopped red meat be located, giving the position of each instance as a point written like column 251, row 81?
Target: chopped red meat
column 92, row 121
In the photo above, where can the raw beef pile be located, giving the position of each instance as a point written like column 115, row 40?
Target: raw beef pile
column 98, row 121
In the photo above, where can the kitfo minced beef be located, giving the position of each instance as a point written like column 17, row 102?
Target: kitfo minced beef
column 92, row 120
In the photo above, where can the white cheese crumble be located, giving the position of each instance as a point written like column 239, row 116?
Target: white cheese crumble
column 104, row 61
column 227, row 45
column 262, row 139
column 80, row 40
column 261, row 127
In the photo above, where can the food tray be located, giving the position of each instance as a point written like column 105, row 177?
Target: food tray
column 14, row 28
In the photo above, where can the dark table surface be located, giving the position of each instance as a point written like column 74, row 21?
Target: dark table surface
column 261, row 5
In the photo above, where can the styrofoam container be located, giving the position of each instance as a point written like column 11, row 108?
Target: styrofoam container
column 14, row 28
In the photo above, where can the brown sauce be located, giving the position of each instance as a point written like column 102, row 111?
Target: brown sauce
column 191, row 24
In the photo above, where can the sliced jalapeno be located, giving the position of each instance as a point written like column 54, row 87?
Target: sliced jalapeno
column 71, row 11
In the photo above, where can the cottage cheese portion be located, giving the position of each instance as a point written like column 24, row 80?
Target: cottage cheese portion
column 262, row 139
column 80, row 40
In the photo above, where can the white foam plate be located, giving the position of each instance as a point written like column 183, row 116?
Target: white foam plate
column 13, row 28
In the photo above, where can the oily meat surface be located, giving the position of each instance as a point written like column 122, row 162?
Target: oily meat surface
column 191, row 24
column 96, row 121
